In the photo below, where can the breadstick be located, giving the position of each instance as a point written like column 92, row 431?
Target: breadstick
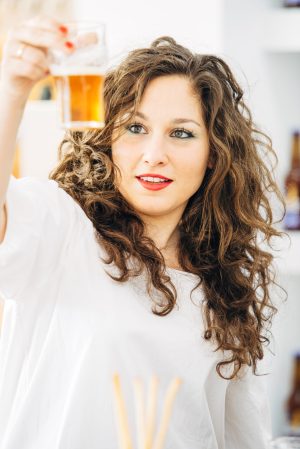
column 140, row 413
column 124, row 433
column 151, row 411
column 167, row 409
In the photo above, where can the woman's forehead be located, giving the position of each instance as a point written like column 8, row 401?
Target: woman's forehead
column 170, row 97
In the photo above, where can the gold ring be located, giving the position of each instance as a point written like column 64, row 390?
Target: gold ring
column 20, row 51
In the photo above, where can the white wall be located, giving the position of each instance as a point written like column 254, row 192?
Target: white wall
column 131, row 23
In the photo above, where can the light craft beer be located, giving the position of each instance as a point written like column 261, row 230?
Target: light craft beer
column 80, row 91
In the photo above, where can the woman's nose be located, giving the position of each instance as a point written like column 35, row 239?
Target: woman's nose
column 155, row 151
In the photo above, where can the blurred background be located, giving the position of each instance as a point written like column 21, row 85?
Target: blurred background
column 260, row 39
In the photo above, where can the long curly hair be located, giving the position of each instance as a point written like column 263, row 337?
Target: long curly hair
column 224, row 221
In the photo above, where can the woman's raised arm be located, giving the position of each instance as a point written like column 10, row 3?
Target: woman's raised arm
column 24, row 64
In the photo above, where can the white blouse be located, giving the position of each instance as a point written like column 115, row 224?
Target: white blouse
column 68, row 327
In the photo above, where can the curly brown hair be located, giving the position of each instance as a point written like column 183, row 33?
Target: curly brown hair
column 223, row 221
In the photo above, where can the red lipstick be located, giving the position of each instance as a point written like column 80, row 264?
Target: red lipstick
column 149, row 185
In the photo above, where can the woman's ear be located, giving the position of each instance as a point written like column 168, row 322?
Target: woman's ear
column 210, row 164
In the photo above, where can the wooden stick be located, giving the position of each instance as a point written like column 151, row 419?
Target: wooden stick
column 151, row 411
column 140, row 413
column 169, row 400
column 124, row 433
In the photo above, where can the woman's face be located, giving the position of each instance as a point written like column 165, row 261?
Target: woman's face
column 167, row 138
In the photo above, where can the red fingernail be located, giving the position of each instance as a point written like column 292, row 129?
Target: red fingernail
column 63, row 29
column 69, row 45
column 47, row 72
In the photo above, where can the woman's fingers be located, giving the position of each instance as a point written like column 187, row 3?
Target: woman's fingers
column 33, row 55
column 40, row 37
column 46, row 22
column 25, row 69
column 25, row 58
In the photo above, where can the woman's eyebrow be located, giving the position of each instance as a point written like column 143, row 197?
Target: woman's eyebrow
column 175, row 120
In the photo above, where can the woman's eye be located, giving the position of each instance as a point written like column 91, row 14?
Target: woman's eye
column 182, row 134
column 135, row 128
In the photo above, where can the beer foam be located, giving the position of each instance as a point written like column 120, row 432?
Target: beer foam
column 69, row 70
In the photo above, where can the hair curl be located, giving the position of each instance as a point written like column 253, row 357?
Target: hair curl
column 223, row 221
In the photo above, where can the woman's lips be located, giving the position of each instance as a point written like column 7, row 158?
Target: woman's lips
column 154, row 185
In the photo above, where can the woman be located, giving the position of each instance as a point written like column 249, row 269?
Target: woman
column 140, row 255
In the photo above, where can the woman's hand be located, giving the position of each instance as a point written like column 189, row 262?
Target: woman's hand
column 25, row 59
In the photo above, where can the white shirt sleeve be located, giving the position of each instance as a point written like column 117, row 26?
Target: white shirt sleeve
column 247, row 413
column 40, row 216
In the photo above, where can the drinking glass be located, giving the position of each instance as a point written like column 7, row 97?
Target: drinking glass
column 79, row 75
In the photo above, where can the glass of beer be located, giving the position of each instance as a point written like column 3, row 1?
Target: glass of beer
column 79, row 75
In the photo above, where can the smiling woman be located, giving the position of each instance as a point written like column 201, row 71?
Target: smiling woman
column 156, row 147
column 140, row 255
